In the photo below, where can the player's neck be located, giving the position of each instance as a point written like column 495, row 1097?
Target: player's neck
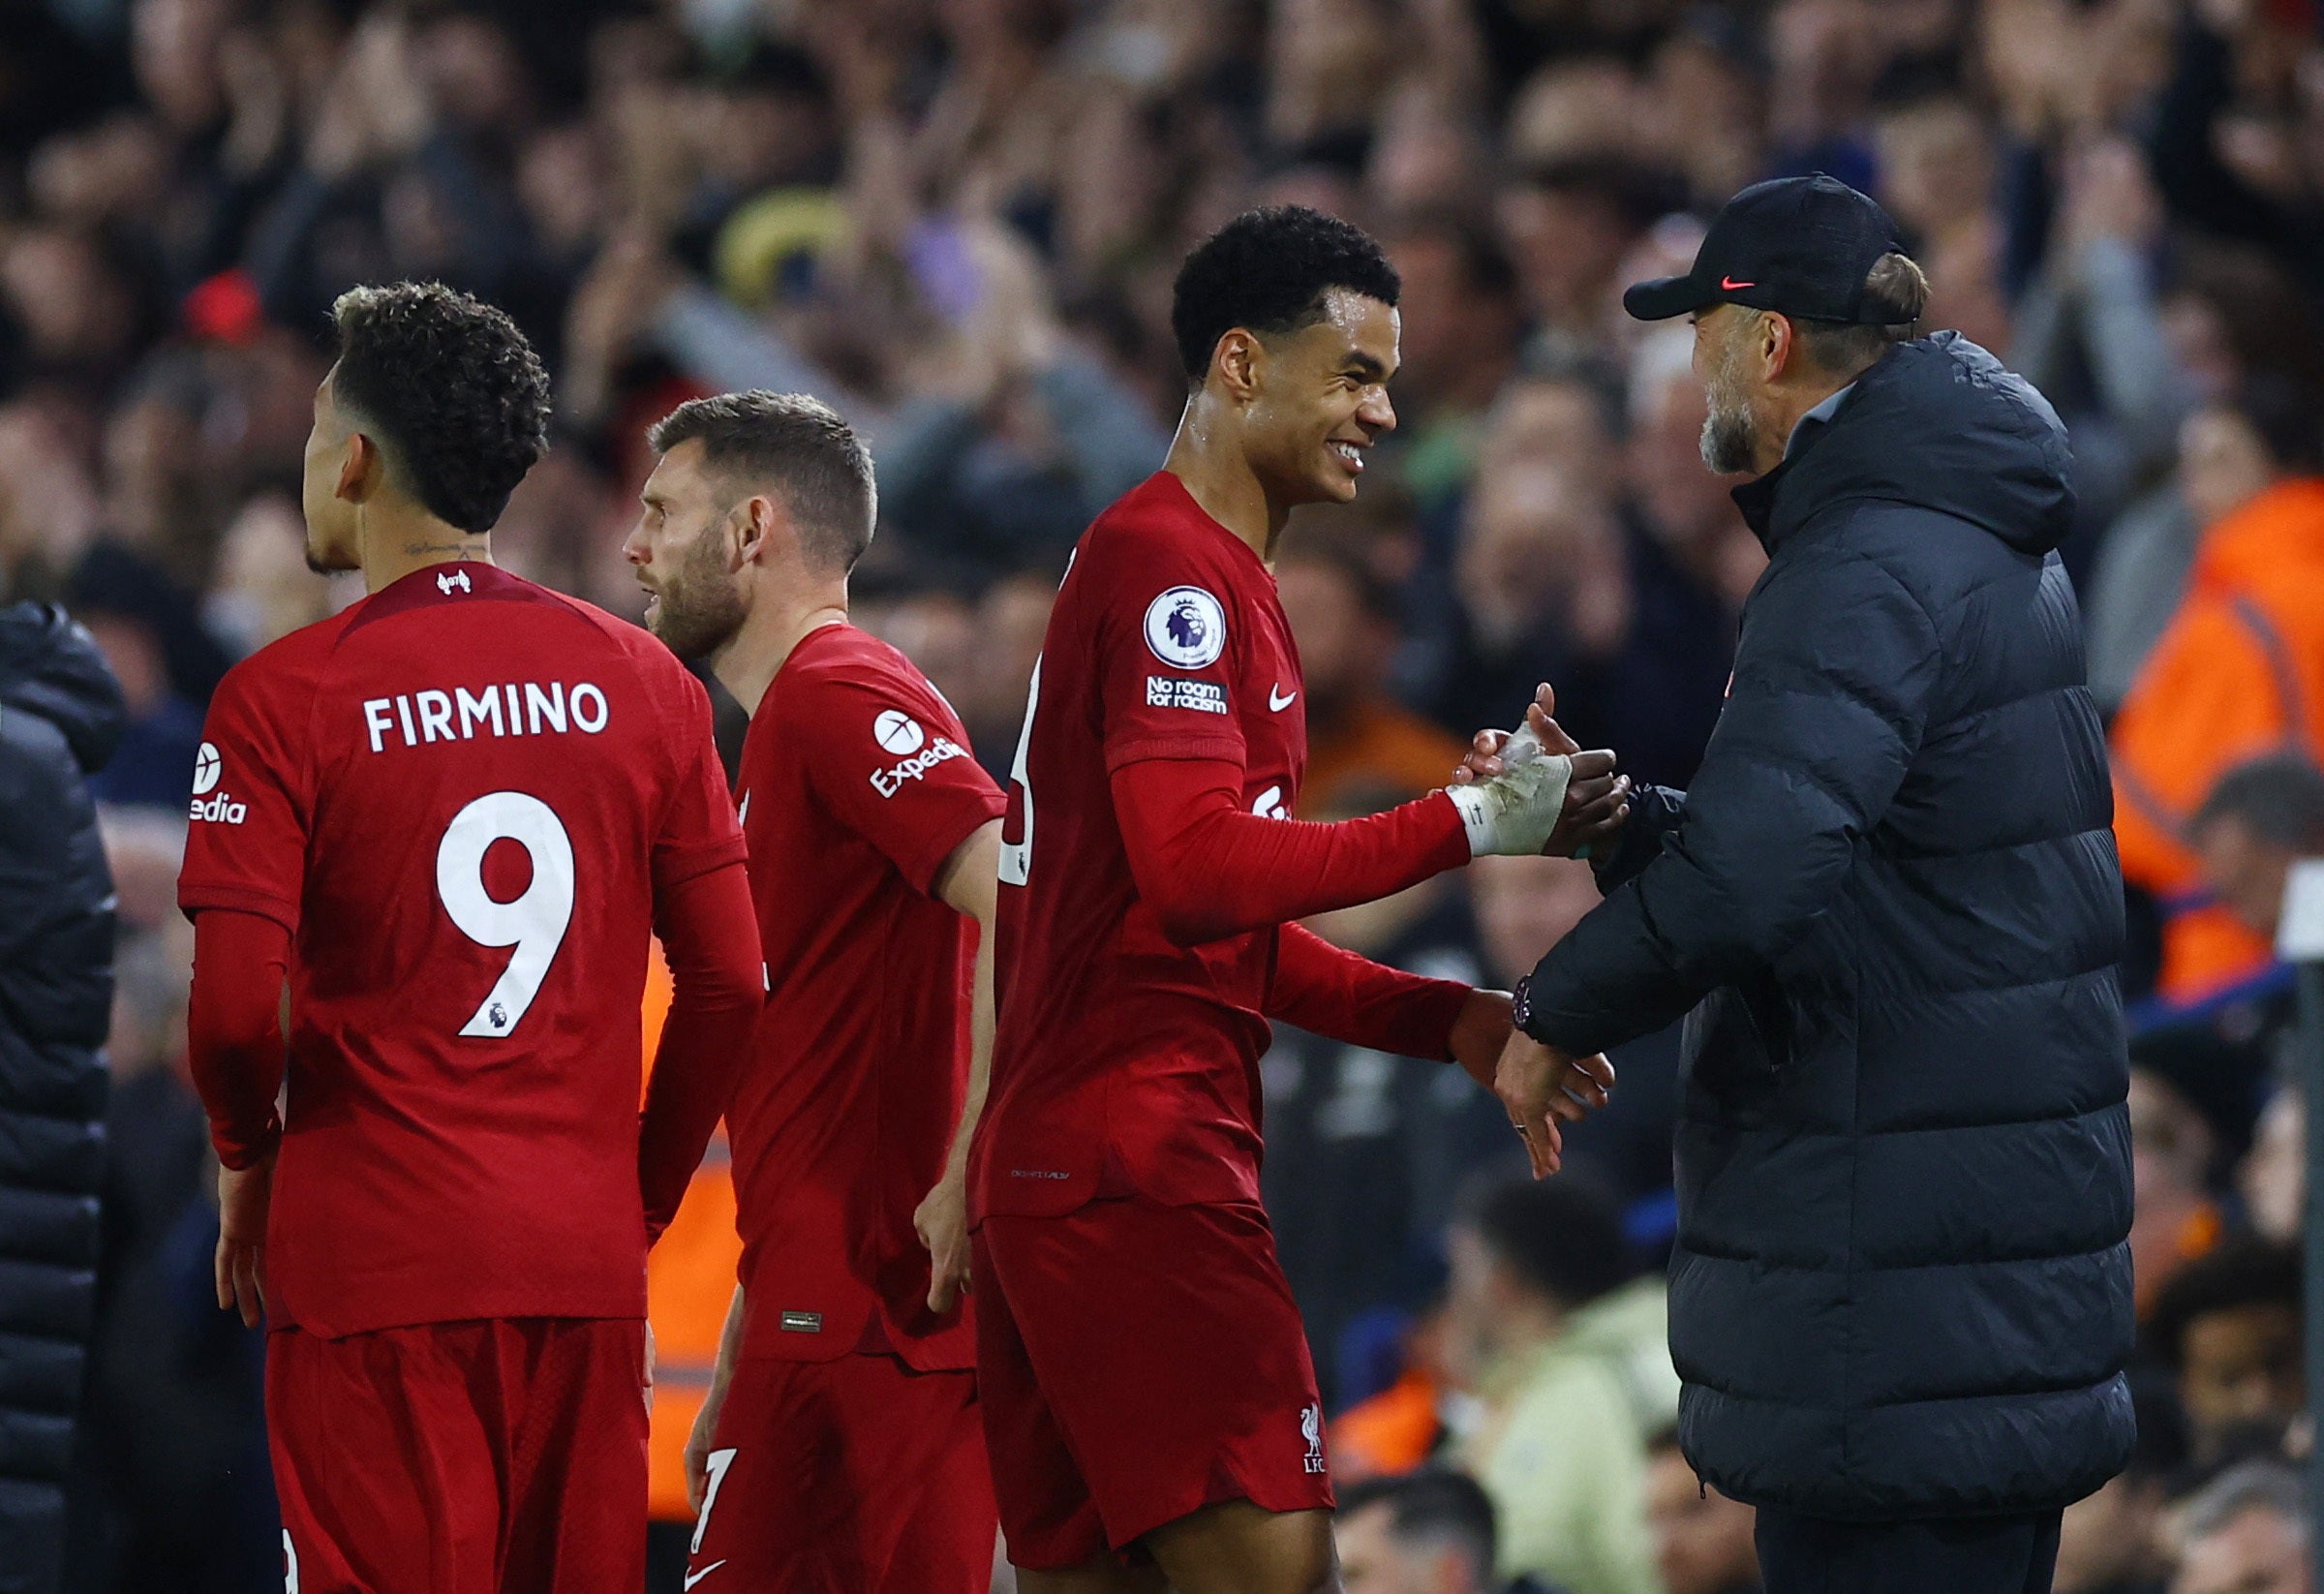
column 748, row 664
column 1221, row 482
column 392, row 543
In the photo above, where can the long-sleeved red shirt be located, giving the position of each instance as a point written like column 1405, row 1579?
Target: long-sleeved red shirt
column 708, row 934
column 1211, row 869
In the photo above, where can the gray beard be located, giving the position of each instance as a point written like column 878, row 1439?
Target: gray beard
column 1728, row 442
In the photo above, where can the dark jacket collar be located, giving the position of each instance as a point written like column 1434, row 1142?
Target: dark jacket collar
column 1939, row 423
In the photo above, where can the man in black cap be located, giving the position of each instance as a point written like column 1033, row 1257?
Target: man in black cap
column 1901, row 1292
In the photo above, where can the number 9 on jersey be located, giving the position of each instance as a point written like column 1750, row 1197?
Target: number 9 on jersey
column 533, row 922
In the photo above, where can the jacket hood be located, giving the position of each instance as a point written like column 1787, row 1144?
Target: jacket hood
column 50, row 666
column 1940, row 425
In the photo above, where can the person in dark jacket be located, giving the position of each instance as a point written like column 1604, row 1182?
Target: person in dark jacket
column 1900, row 1297
column 60, row 717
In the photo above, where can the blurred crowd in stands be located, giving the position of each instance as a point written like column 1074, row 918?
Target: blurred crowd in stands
column 958, row 220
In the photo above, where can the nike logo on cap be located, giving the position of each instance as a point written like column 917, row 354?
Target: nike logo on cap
column 1277, row 699
column 694, row 1578
column 1730, row 285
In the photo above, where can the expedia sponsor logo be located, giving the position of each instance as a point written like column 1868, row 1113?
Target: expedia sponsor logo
column 1169, row 692
column 889, row 782
column 220, row 809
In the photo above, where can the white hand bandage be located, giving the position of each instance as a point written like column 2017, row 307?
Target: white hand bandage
column 1513, row 812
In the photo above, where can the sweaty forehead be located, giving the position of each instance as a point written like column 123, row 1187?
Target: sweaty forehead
column 1354, row 323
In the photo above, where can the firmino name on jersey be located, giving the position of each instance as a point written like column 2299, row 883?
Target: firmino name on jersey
column 524, row 708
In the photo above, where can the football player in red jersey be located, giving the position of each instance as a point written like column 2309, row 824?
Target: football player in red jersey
column 1146, row 1388
column 454, row 813
column 840, row 1449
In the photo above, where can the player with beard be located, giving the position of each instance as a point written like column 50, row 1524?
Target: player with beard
column 840, row 1449
column 1148, row 1398
column 455, row 814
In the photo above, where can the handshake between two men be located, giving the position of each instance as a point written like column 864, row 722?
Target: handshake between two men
column 1520, row 793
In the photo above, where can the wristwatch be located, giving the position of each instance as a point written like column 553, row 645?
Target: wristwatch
column 1520, row 1009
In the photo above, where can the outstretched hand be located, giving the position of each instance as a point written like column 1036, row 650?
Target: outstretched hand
column 1597, row 801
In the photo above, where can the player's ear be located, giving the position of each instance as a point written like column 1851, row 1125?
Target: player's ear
column 357, row 469
column 754, row 522
column 1236, row 362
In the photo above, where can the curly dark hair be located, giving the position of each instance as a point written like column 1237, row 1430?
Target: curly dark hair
column 1268, row 270
column 459, row 400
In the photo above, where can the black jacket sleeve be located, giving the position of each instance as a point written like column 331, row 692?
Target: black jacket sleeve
column 1834, row 674
column 56, row 920
column 1655, row 811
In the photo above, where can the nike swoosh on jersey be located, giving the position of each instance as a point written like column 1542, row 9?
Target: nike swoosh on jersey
column 694, row 1578
column 1277, row 699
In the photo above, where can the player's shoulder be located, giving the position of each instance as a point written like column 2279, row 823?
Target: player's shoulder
column 289, row 663
column 1156, row 535
column 1156, row 518
column 844, row 662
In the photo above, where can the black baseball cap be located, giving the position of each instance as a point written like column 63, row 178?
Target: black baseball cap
column 1800, row 246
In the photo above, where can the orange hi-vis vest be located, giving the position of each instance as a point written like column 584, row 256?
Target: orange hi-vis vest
column 2238, row 673
column 690, row 1280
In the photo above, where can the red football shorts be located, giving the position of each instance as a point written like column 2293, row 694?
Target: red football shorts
column 854, row 1476
column 462, row 1458
column 1137, row 1363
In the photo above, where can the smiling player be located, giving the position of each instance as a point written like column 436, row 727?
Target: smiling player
column 1147, row 1387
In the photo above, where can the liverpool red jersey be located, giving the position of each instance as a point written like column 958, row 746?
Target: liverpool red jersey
column 461, row 796
column 1125, row 1062
column 856, row 786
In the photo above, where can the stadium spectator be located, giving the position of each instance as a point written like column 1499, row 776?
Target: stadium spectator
column 2247, row 1532
column 1701, row 1539
column 2175, row 1154
column 2238, row 672
column 1426, row 1532
column 2261, row 819
column 1825, row 889
column 1564, row 1353
column 1343, row 617
column 61, row 715
column 1403, row 1426
column 1461, row 329
column 2228, row 1325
